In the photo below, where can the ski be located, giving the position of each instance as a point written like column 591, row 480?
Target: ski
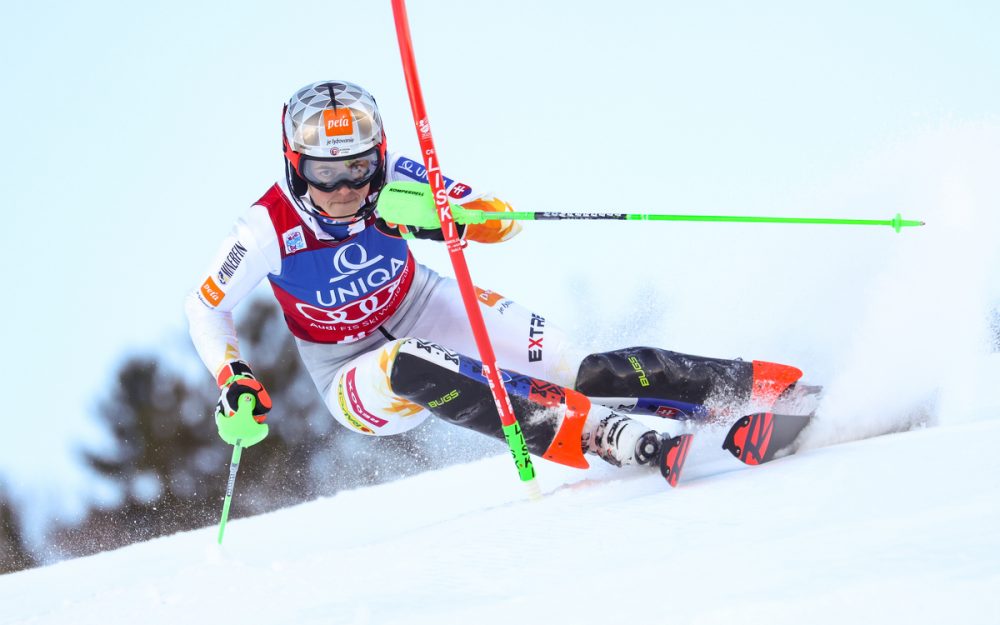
column 757, row 438
column 673, row 452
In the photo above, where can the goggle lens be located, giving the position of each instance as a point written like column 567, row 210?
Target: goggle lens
column 328, row 174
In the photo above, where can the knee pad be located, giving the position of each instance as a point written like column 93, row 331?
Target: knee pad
column 362, row 400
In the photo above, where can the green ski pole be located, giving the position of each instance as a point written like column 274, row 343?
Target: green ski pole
column 234, row 466
column 240, row 430
column 411, row 204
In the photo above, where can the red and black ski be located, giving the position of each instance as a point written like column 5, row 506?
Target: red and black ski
column 757, row 438
column 673, row 452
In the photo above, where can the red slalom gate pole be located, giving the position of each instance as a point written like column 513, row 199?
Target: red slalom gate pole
column 511, row 428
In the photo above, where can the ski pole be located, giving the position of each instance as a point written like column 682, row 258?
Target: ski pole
column 234, row 466
column 408, row 203
column 897, row 223
column 241, row 430
column 511, row 428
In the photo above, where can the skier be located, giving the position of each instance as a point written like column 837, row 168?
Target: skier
column 386, row 339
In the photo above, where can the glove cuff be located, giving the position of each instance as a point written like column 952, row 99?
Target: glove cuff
column 231, row 370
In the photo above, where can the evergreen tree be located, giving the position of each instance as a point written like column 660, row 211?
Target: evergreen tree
column 14, row 553
column 163, row 462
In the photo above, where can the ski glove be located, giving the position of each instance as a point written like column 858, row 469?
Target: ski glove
column 242, row 407
column 415, row 232
column 492, row 231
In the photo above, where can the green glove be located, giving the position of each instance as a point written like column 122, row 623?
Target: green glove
column 412, row 204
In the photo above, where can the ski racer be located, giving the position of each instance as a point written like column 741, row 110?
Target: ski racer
column 386, row 339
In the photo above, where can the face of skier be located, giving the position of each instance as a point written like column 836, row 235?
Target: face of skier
column 341, row 203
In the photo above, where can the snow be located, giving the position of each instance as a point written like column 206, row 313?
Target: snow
column 897, row 528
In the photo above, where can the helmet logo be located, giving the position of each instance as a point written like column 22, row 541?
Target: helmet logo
column 338, row 122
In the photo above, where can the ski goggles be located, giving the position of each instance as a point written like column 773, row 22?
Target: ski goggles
column 327, row 174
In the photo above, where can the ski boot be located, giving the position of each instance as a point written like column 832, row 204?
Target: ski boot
column 621, row 441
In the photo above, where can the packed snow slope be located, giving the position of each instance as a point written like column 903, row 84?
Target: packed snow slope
column 899, row 528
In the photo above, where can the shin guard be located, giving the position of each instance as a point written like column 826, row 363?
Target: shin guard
column 453, row 388
column 686, row 383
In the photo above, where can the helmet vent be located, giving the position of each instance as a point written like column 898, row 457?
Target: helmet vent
column 333, row 98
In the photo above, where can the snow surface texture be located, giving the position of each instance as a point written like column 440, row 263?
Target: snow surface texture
column 895, row 529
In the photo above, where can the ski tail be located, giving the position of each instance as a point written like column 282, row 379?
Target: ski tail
column 757, row 438
column 673, row 453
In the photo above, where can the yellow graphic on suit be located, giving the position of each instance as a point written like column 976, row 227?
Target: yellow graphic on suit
column 397, row 405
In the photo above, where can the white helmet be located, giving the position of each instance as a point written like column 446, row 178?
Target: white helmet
column 333, row 136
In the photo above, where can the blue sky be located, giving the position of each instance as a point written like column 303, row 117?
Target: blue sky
column 135, row 133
